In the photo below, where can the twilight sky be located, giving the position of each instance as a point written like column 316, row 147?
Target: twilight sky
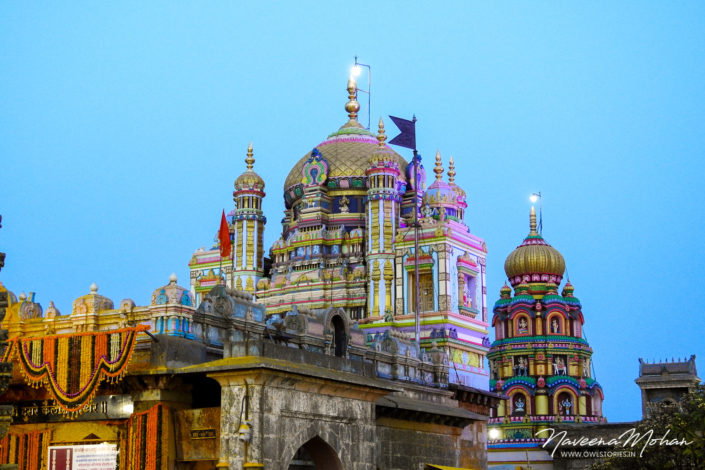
column 123, row 127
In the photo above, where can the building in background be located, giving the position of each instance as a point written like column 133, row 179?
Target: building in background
column 665, row 382
column 539, row 359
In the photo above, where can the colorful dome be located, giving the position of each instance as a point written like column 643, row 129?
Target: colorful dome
column 249, row 179
column 347, row 152
column 440, row 193
column 172, row 293
column 92, row 303
column 534, row 256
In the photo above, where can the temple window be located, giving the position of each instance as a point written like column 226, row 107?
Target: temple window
column 519, row 404
column 522, row 325
column 425, row 291
column 565, row 404
column 555, row 325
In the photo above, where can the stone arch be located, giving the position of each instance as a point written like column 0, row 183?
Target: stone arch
column 318, row 455
column 337, row 324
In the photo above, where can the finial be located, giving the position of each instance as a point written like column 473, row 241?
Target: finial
column 173, row 279
column 94, row 288
column 381, row 137
column 250, row 160
column 352, row 106
column 532, row 222
column 438, row 170
column 451, row 170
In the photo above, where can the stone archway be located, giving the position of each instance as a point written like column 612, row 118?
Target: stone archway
column 315, row 454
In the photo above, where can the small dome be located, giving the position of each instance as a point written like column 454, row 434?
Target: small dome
column 92, row 303
column 249, row 179
column 172, row 293
column 534, row 256
column 505, row 291
column 568, row 289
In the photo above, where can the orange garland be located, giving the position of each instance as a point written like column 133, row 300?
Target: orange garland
column 146, row 442
column 72, row 366
column 27, row 450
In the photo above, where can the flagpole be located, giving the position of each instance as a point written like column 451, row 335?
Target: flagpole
column 407, row 139
column 416, row 251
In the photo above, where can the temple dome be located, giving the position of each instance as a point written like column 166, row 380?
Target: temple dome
column 534, row 256
column 172, row 293
column 249, row 179
column 346, row 151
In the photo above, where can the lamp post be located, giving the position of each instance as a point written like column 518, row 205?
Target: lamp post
column 537, row 197
column 355, row 71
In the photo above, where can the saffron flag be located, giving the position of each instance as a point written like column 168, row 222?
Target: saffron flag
column 224, row 236
column 407, row 134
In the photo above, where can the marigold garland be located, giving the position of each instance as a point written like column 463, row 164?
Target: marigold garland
column 146, row 441
column 27, row 450
column 72, row 366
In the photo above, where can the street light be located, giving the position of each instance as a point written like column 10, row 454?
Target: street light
column 537, row 197
column 355, row 72
column 494, row 434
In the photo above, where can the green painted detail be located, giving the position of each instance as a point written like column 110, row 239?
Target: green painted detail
column 351, row 130
column 555, row 378
column 536, row 339
column 524, row 297
column 519, row 380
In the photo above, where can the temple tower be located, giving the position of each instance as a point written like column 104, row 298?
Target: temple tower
column 382, row 215
column 247, row 228
column 539, row 359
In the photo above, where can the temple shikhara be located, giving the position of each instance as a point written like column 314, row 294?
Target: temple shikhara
column 540, row 360
column 303, row 355
column 347, row 243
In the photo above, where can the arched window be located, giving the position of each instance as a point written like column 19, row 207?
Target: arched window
column 340, row 341
column 566, row 405
column 555, row 324
column 522, row 325
column 520, row 404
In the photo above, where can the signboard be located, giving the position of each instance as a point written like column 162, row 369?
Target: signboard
column 84, row 457
column 102, row 407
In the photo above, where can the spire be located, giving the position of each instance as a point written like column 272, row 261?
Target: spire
column 438, row 170
column 381, row 137
column 451, row 170
column 532, row 222
column 352, row 106
column 250, row 160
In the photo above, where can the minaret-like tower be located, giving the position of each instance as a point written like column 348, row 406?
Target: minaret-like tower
column 539, row 358
column 382, row 214
column 247, row 228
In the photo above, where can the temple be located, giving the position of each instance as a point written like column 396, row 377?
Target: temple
column 303, row 359
column 539, row 360
column 347, row 242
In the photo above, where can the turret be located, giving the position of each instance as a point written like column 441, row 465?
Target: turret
column 247, row 227
column 382, row 215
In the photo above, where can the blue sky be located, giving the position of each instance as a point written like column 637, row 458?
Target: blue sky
column 123, row 127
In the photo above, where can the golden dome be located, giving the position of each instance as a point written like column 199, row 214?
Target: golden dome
column 249, row 179
column 348, row 150
column 534, row 256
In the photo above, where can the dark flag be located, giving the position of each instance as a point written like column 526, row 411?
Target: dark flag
column 224, row 236
column 407, row 135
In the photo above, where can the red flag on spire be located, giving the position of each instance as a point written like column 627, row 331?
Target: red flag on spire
column 224, row 236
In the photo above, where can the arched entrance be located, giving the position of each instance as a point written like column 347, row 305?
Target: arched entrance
column 340, row 339
column 315, row 454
